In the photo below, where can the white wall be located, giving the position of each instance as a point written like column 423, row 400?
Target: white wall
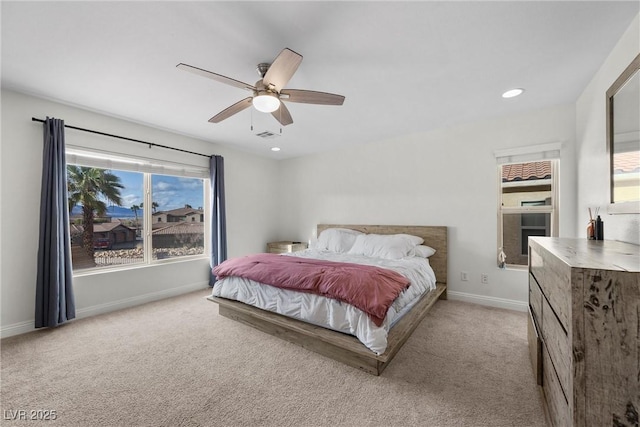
column 251, row 210
column 593, row 161
column 445, row 177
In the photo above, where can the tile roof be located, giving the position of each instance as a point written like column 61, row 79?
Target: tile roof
column 181, row 228
column 180, row 212
column 526, row 171
column 99, row 227
column 103, row 227
column 627, row 162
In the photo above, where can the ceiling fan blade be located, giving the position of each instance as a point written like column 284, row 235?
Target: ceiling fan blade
column 217, row 77
column 230, row 111
column 282, row 69
column 283, row 115
column 311, row 97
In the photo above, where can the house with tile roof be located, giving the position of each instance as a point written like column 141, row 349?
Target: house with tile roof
column 182, row 227
column 106, row 235
column 626, row 176
column 178, row 234
column 186, row 214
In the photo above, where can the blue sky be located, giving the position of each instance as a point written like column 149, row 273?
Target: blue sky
column 170, row 192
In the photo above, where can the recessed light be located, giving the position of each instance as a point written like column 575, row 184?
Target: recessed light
column 275, row 148
column 512, row 93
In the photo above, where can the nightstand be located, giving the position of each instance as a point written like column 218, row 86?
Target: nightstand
column 285, row 246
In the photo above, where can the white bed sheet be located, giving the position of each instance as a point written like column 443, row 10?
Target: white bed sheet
column 331, row 313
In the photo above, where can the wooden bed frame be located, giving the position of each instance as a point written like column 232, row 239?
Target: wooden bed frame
column 343, row 347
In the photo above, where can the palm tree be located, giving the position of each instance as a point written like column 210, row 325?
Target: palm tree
column 154, row 206
column 135, row 209
column 92, row 188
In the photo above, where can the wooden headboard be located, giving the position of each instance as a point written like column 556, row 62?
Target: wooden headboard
column 434, row 236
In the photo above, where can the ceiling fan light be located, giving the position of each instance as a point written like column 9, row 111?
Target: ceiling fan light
column 513, row 93
column 266, row 103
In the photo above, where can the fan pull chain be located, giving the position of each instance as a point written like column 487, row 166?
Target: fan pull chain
column 252, row 120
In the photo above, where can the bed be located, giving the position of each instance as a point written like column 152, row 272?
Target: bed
column 342, row 346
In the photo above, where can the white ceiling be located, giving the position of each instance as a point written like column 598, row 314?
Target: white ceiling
column 403, row 67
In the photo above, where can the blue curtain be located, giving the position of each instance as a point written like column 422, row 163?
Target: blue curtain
column 218, row 214
column 54, row 293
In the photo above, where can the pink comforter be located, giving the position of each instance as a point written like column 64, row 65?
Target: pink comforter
column 371, row 289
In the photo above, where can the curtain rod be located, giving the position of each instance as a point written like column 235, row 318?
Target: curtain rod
column 150, row 144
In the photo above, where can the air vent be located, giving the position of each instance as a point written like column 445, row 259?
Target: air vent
column 267, row 135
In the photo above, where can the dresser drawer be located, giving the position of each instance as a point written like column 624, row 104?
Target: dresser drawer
column 555, row 398
column 535, row 300
column 535, row 348
column 554, row 278
column 557, row 344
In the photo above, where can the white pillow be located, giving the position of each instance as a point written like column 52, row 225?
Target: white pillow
column 413, row 239
column 337, row 239
column 391, row 246
column 422, row 251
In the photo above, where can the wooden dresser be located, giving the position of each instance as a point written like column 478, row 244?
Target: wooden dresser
column 584, row 327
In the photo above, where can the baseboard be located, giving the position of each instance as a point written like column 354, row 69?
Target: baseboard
column 24, row 327
column 27, row 326
column 17, row 329
column 509, row 304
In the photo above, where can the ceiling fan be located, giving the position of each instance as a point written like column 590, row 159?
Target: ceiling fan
column 269, row 91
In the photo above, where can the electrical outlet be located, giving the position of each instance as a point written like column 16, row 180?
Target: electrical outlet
column 484, row 279
column 464, row 276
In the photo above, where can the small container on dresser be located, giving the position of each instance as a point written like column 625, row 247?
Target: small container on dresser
column 285, row 246
column 584, row 329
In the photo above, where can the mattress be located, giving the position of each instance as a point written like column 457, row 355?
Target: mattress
column 331, row 313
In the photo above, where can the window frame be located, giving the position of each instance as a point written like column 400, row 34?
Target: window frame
column 147, row 167
column 553, row 209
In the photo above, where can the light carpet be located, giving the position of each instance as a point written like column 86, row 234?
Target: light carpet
column 176, row 362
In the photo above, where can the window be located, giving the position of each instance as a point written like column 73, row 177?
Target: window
column 104, row 214
column 183, row 232
column 110, row 225
column 528, row 206
column 534, row 224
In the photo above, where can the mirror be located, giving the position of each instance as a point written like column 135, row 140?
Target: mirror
column 623, row 139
